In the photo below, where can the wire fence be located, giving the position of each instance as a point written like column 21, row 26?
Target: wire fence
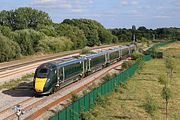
column 85, row 103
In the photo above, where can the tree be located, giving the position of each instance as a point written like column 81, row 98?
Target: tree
column 48, row 30
column 28, row 40
column 52, row 44
column 166, row 94
column 163, row 79
column 23, row 18
column 8, row 49
column 170, row 65
column 74, row 33
column 89, row 27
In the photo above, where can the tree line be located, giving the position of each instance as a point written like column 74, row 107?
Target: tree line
column 142, row 32
column 26, row 31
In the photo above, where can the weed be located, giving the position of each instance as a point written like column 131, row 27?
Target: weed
column 150, row 105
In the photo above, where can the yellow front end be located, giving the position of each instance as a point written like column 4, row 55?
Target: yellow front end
column 39, row 84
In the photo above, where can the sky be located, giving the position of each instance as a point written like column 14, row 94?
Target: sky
column 110, row 13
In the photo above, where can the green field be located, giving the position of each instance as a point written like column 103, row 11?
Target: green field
column 128, row 103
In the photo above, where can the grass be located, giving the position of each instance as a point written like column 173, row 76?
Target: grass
column 15, row 82
column 129, row 102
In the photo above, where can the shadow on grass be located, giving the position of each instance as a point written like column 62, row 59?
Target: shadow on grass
column 124, row 99
column 121, row 117
column 147, row 79
column 23, row 89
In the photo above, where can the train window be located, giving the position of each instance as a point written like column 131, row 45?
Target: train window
column 43, row 73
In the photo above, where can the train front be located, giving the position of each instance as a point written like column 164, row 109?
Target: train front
column 44, row 79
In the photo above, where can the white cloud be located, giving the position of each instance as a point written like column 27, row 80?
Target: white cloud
column 162, row 16
column 134, row 2
column 129, row 2
column 125, row 2
column 77, row 6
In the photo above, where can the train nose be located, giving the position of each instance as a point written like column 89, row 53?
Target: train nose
column 39, row 84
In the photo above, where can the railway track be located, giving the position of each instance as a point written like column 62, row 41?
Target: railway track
column 34, row 107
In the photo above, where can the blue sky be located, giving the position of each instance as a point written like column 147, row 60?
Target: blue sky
column 111, row 13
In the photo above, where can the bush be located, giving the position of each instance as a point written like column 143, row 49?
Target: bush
column 86, row 50
column 28, row 40
column 150, row 105
column 102, row 100
column 86, row 116
column 8, row 49
column 126, row 64
column 107, row 77
column 74, row 33
column 75, row 97
column 137, row 55
column 51, row 44
column 163, row 79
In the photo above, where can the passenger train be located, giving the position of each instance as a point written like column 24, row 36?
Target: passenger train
column 62, row 72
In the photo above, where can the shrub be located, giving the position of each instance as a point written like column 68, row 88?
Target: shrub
column 8, row 49
column 107, row 77
column 86, row 50
column 150, row 105
column 86, row 116
column 163, row 79
column 136, row 55
column 101, row 100
column 28, row 40
column 74, row 97
column 126, row 64
column 51, row 44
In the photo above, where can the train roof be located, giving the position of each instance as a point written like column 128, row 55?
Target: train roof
column 67, row 61
column 75, row 59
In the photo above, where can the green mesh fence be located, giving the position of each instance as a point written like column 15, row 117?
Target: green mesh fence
column 85, row 103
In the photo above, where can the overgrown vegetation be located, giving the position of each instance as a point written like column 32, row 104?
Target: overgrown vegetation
column 126, row 64
column 86, row 50
column 136, row 55
column 109, row 77
column 75, row 97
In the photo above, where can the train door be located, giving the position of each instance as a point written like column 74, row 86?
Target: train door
column 60, row 77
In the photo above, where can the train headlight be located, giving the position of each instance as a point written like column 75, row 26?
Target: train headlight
column 48, row 80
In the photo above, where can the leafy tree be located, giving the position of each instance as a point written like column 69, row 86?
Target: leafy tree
column 166, row 92
column 137, row 55
column 74, row 33
column 163, row 79
column 48, row 30
column 23, row 18
column 28, row 40
column 89, row 28
column 7, row 18
column 52, row 44
column 166, row 95
column 170, row 65
column 8, row 49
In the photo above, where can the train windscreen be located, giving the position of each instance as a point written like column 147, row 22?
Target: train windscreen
column 43, row 73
